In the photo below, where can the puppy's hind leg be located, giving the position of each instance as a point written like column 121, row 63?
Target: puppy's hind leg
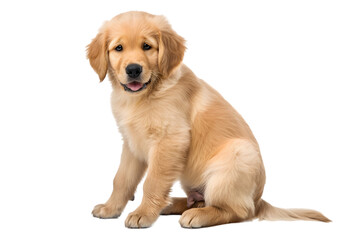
column 177, row 207
column 180, row 205
column 230, row 188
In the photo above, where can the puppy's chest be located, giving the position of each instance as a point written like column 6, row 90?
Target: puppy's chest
column 143, row 129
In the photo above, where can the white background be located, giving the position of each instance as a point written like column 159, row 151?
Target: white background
column 291, row 68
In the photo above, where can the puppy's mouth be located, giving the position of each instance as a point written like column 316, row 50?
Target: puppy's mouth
column 135, row 86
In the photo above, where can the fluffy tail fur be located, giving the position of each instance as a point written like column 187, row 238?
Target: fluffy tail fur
column 266, row 211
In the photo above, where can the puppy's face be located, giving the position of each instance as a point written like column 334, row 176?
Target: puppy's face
column 133, row 53
column 136, row 49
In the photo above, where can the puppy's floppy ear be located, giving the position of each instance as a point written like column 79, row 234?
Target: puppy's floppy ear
column 171, row 49
column 97, row 54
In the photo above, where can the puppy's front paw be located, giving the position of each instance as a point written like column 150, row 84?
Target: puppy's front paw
column 140, row 219
column 106, row 211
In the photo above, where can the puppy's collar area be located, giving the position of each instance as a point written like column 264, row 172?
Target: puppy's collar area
column 135, row 86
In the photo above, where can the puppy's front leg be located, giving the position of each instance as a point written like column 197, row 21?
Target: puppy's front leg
column 128, row 176
column 166, row 162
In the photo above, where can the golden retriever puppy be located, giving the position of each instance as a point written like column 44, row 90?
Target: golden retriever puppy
column 176, row 127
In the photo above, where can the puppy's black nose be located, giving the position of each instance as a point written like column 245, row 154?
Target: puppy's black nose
column 133, row 70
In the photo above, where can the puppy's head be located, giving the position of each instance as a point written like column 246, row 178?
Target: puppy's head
column 137, row 49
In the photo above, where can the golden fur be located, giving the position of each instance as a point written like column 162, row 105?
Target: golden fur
column 178, row 128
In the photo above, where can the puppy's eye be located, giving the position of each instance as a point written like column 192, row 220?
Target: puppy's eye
column 119, row 48
column 146, row 46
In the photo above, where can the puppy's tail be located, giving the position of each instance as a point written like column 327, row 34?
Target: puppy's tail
column 266, row 211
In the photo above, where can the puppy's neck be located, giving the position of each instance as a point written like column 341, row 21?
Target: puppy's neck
column 165, row 84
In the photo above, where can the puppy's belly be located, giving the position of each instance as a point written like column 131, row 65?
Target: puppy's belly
column 192, row 182
column 194, row 196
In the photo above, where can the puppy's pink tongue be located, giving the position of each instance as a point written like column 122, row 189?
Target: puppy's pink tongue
column 134, row 86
